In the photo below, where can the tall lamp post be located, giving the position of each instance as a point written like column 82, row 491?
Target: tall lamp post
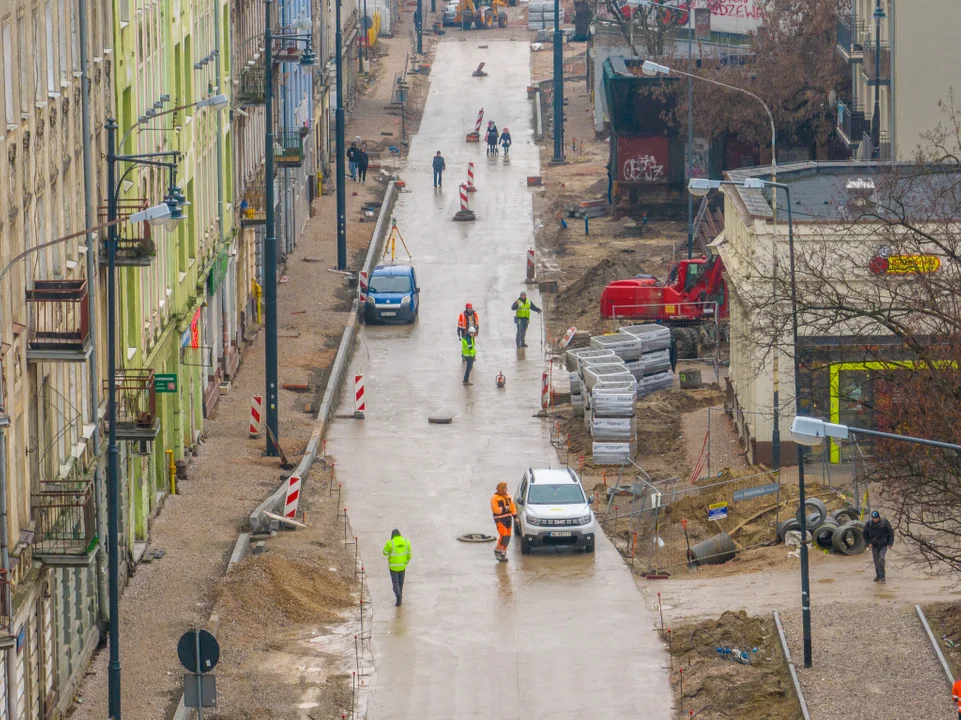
column 876, row 116
column 270, row 241
column 558, row 86
column 700, row 187
column 167, row 214
column 339, row 132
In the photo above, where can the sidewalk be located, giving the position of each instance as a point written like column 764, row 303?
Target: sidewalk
column 229, row 476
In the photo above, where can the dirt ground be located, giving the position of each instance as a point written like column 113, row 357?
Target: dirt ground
column 945, row 622
column 229, row 475
column 710, row 684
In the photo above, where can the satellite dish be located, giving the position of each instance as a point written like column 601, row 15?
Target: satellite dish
column 833, row 98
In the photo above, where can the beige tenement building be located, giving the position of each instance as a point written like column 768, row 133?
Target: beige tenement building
column 919, row 56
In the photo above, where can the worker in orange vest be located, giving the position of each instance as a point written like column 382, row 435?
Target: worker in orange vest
column 502, row 505
column 467, row 319
column 956, row 694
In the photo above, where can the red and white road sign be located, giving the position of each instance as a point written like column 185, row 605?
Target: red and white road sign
column 256, row 413
column 293, row 497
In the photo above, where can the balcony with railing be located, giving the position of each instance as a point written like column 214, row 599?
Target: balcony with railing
column 135, row 244
column 289, row 147
column 58, row 329
column 66, row 525
column 253, row 204
column 850, row 32
column 285, row 48
column 850, row 123
column 252, row 87
column 136, row 404
column 885, row 150
column 871, row 51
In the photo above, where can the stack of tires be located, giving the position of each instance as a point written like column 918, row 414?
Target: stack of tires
column 839, row 531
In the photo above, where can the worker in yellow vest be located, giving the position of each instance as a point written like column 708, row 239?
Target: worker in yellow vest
column 397, row 552
column 522, row 317
column 468, row 351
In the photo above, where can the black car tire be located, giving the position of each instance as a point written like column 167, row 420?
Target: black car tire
column 589, row 546
column 525, row 548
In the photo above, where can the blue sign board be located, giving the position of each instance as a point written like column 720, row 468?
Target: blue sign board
column 717, row 511
column 748, row 493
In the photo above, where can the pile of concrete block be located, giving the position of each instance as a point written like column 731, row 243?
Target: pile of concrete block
column 540, row 15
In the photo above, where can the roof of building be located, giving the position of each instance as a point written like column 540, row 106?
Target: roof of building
column 825, row 191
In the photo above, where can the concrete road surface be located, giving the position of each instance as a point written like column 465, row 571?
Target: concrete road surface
column 549, row 635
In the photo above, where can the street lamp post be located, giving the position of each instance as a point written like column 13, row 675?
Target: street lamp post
column 558, row 86
column 699, row 186
column 339, row 131
column 419, row 22
column 876, row 116
column 812, row 431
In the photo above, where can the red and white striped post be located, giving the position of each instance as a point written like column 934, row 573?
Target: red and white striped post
column 470, row 178
column 362, row 286
column 293, row 497
column 568, row 336
column 465, row 213
column 463, row 198
column 480, row 119
column 530, row 265
column 545, row 391
column 360, row 402
column 256, row 413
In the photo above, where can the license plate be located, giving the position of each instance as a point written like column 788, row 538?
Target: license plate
column 389, row 314
column 563, row 533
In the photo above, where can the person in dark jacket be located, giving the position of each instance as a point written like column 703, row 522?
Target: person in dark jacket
column 363, row 160
column 506, row 141
column 352, row 153
column 439, row 166
column 491, row 138
column 879, row 535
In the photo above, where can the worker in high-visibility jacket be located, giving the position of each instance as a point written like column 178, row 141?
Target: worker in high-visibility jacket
column 468, row 351
column 502, row 505
column 466, row 319
column 956, row 694
column 397, row 552
column 522, row 317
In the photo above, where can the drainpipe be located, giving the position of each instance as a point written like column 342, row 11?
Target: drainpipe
column 220, row 168
column 7, row 600
column 94, row 366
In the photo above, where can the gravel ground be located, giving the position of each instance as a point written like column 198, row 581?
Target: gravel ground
column 870, row 662
column 199, row 526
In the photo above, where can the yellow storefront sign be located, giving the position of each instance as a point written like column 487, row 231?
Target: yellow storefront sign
column 909, row 264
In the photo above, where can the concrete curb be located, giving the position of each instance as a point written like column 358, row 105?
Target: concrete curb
column 934, row 644
column 790, row 667
column 337, row 371
column 538, row 120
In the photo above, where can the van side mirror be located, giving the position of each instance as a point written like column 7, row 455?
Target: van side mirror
column 520, row 501
column 417, row 291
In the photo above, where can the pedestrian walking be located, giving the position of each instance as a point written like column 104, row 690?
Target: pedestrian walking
column 439, row 166
column 466, row 319
column 502, row 505
column 397, row 552
column 522, row 317
column 352, row 152
column 363, row 160
column 879, row 535
column 672, row 352
column 491, row 138
column 468, row 351
column 956, row 694
column 506, row 141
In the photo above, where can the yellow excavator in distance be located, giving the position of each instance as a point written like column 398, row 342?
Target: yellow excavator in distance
column 482, row 15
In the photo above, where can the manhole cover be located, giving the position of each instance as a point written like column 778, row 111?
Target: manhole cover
column 476, row 537
column 440, row 419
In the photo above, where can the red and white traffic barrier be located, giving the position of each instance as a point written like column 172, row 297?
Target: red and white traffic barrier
column 463, row 198
column 360, row 401
column 568, row 336
column 480, row 119
column 362, row 286
column 293, row 497
column 545, row 390
column 470, row 178
column 256, row 413
column 530, row 265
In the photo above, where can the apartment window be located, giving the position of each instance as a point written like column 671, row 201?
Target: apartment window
column 51, row 63
column 24, row 82
column 124, row 10
column 37, row 57
column 62, row 37
column 8, row 104
column 74, row 37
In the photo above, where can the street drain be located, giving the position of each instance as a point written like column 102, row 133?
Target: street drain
column 476, row 537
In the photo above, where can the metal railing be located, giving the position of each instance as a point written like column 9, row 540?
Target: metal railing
column 252, row 87
column 136, row 402
column 850, row 32
column 135, row 244
column 870, row 51
column 287, row 49
column 253, row 204
column 66, row 522
column 289, row 148
column 850, row 122
column 59, row 319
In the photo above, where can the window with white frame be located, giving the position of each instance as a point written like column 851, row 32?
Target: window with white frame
column 8, row 99
column 37, row 57
column 62, row 38
column 51, row 61
column 74, row 37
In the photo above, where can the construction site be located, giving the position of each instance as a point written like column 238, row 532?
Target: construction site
column 691, row 603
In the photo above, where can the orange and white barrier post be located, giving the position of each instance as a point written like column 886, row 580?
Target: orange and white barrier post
column 480, row 119
column 464, row 205
column 293, row 497
column 470, row 178
column 360, row 401
column 256, row 413
column 530, row 265
column 362, row 286
column 545, row 391
column 568, row 336
column 465, row 213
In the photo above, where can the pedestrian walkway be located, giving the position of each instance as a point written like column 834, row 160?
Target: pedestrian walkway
column 548, row 635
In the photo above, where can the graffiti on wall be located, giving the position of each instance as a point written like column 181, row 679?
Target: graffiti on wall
column 749, row 9
column 644, row 168
column 701, row 158
column 644, row 159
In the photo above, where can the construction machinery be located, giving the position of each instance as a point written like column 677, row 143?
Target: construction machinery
column 482, row 14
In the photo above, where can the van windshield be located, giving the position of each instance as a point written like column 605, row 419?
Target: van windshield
column 389, row 284
column 566, row 494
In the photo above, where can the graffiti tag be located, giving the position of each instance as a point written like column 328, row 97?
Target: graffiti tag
column 644, row 167
column 736, row 8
